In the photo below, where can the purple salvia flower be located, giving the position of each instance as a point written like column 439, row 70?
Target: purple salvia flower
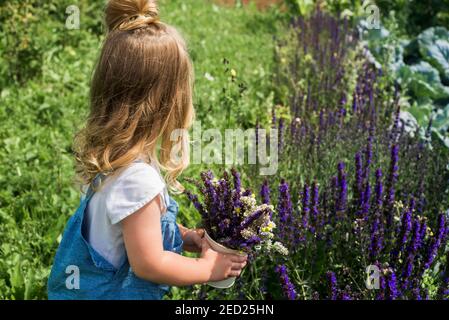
column 379, row 188
column 407, row 222
column 366, row 200
column 436, row 243
column 315, row 204
column 345, row 296
column 416, row 238
column 211, row 193
column 392, row 178
column 332, row 282
column 416, row 291
column 265, row 192
column 392, row 285
column 198, row 206
column 287, row 286
column 237, row 188
column 252, row 241
column 406, row 274
column 284, row 204
column 224, row 190
column 305, row 206
column 422, row 234
column 251, row 218
column 343, row 188
column 411, row 252
column 376, row 240
column 237, row 181
column 358, row 176
column 404, row 231
column 419, row 237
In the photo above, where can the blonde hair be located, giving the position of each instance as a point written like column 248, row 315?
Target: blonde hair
column 141, row 92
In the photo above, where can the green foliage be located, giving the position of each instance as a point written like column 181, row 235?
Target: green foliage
column 414, row 16
column 434, row 48
column 45, row 71
column 421, row 67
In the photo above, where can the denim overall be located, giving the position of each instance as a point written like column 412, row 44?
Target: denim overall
column 79, row 272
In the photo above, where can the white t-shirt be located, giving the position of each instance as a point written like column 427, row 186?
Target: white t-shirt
column 119, row 196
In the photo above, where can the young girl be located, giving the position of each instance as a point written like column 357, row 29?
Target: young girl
column 123, row 241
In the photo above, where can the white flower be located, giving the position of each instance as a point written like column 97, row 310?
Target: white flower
column 247, row 233
column 279, row 247
column 209, row 77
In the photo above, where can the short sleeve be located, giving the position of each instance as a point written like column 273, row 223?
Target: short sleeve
column 132, row 189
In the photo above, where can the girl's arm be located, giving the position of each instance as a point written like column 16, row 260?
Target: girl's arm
column 143, row 241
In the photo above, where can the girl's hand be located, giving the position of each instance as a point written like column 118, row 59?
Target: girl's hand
column 192, row 239
column 221, row 265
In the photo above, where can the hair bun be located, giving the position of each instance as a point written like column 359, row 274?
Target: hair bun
column 131, row 14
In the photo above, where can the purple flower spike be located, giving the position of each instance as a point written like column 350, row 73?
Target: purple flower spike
column 343, row 188
column 305, row 206
column 392, row 285
column 250, row 219
column 436, row 243
column 265, row 192
column 376, row 239
column 332, row 281
column 285, row 203
column 379, row 188
column 287, row 286
column 237, row 181
column 366, row 200
column 194, row 199
column 407, row 222
column 406, row 226
column 358, row 176
column 315, row 203
column 392, row 178
column 237, row 188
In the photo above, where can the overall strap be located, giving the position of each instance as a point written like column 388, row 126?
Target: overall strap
column 96, row 183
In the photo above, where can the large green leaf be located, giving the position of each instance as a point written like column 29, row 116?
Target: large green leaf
column 423, row 81
column 440, row 125
column 433, row 34
column 421, row 112
column 434, row 48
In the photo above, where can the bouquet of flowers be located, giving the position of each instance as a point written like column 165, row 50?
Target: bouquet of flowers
column 232, row 217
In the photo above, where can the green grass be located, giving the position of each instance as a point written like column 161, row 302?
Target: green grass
column 44, row 100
